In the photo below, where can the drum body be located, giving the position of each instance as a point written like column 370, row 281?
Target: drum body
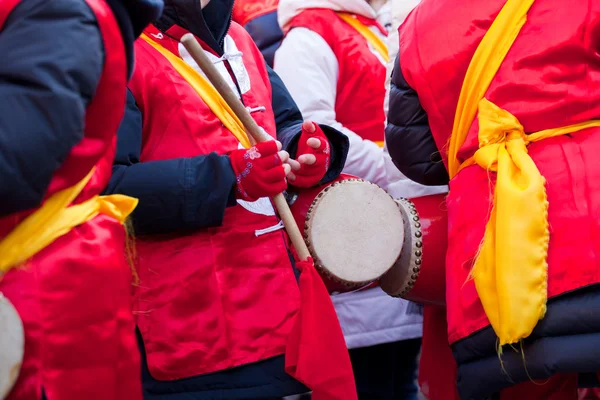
column 419, row 275
column 353, row 230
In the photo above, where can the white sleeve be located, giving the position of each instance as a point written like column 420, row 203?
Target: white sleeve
column 309, row 69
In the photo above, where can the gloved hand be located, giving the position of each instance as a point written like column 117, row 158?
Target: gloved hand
column 313, row 157
column 260, row 171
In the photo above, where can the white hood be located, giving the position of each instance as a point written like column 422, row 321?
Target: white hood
column 288, row 9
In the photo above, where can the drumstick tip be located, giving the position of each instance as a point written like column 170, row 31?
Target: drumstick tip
column 187, row 38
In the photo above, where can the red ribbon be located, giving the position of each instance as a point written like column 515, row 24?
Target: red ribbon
column 316, row 353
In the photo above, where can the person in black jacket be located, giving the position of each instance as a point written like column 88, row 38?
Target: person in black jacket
column 63, row 76
column 218, row 291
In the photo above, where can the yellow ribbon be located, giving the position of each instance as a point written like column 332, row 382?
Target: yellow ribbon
column 211, row 97
column 370, row 36
column 511, row 269
column 55, row 218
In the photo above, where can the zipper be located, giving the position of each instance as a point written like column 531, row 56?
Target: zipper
column 228, row 25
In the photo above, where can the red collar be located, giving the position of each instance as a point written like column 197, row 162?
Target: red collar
column 170, row 39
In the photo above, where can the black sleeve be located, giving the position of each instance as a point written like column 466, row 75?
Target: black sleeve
column 408, row 136
column 52, row 59
column 288, row 119
column 175, row 195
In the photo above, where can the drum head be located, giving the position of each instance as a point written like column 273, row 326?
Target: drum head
column 12, row 342
column 355, row 232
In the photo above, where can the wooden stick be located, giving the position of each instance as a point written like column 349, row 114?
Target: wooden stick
column 253, row 131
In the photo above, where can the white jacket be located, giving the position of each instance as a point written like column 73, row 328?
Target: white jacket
column 309, row 69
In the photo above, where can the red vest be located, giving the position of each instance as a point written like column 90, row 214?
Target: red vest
column 361, row 80
column 550, row 79
column 245, row 11
column 216, row 298
column 74, row 297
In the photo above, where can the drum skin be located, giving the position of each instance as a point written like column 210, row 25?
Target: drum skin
column 419, row 275
column 355, row 243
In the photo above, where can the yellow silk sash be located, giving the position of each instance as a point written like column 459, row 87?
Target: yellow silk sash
column 511, row 269
column 55, row 218
column 374, row 40
column 206, row 91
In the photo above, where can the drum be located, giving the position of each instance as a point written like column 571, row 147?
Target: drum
column 419, row 275
column 12, row 345
column 353, row 230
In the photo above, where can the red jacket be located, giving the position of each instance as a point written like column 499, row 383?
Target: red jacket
column 74, row 297
column 549, row 79
column 224, row 274
column 527, row 87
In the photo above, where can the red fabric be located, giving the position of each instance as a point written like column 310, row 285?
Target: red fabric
column 559, row 387
column 234, row 296
column 437, row 368
column 259, row 171
column 6, row 9
column 362, row 74
column 74, row 297
column 310, row 175
column 75, row 301
column 550, row 79
column 246, row 10
column 316, row 354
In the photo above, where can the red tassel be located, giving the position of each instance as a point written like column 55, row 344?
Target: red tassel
column 316, row 353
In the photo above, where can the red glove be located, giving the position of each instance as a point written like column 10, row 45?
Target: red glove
column 310, row 175
column 259, row 171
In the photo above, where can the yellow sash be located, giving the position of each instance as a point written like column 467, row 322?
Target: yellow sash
column 374, row 40
column 55, row 218
column 511, row 269
column 207, row 93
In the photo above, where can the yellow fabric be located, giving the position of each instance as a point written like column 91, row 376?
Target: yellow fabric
column 55, row 218
column 483, row 67
column 511, row 269
column 379, row 143
column 207, row 93
column 374, row 40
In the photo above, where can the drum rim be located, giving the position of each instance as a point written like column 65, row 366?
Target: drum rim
column 16, row 369
column 411, row 258
column 306, row 233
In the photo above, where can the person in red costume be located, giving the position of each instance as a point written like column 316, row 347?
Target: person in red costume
column 62, row 246
column 506, row 96
column 220, row 299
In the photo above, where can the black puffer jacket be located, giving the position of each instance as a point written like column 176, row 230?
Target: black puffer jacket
column 408, row 135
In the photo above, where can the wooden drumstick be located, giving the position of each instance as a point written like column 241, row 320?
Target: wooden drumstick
column 251, row 128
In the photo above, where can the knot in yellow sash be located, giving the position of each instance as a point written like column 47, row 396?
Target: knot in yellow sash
column 55, row 218
column 511, row 269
